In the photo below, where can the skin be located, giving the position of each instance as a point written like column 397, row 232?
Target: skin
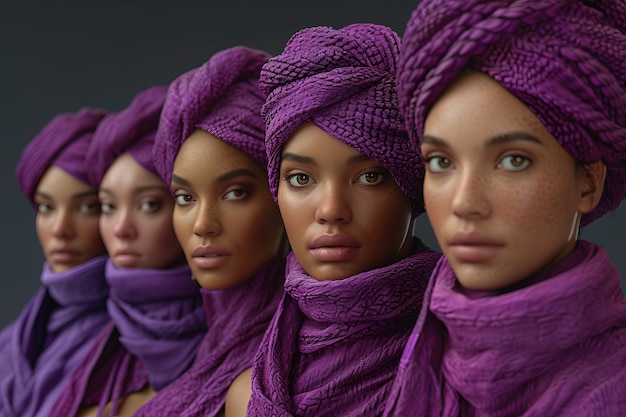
column 225, row 217
column 503, row 197
column 136, row 221
column 329, row 190
column 67, row 220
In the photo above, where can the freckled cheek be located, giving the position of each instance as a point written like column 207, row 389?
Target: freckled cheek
column 532, row 207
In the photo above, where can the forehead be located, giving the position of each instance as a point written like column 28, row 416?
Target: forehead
column 57, row 183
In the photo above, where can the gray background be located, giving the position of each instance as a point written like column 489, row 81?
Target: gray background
column 59, row 56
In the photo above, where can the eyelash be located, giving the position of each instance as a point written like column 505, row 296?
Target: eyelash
column 525, row 162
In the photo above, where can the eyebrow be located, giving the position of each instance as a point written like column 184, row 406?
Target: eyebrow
column 139, row 189
column 493, row 141
column 287, row 156
column 224, row 177
column 74, row 196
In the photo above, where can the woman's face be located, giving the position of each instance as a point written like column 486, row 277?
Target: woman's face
column 503, row 197
column 136, row 219
column 67, row 220
column 224, row 217
column 343, row 212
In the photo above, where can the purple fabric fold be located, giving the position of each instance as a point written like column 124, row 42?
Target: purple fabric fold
column 343, row 81
column 39, row 351
column 63, row 142
column 131, row 130
column 554, row 348
column 237, row 319
column 334, row 347
column 223, row 98
column 158, row 323
column 565, row 59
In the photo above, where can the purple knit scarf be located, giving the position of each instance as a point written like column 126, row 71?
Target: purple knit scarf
column 334, row 347
column 237, row 319
column 48, row 340
column 158, row 324
column 554, row 348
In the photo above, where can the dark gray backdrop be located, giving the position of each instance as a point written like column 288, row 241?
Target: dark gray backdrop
column 59, row 56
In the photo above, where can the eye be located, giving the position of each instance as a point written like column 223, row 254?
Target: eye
column 106, row 208
column 514, row 163
column 298, row 180
column 438, row 163
column 371, row 178
column 236, row 194
column 183, row 199
column 92, row 207
column 150, row 206
column 43, row 208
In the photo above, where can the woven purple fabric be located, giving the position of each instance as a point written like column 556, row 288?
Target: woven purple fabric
column 39, row 351
column 63, row 142
column 131, row 130
column 237, row 318
column 159, row 323
column 334, row 347
column 343, row 81
column 556, row 348
column 565, row 59
column 223, row 98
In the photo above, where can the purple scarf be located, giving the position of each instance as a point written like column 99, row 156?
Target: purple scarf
column 334, row 347
column 237, row 319
column 48, row 340
column 158, row 324
column 554, row 348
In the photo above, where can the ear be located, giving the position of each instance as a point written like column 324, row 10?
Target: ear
column 593, row 184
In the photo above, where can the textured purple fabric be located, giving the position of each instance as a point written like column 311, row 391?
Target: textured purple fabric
column 131, row 130
column 343, row 81
column 555, row 348
column 565, row 59
column 334, row 347
column 63, row 142
column 48, row 340
column 223, row 98
column 237, row 319
column 159, row 323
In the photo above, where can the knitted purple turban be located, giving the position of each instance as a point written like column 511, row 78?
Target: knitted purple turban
column 342, row 81
column 131, row 130
column 565, row 59
column 223, row 98
column 63, row 142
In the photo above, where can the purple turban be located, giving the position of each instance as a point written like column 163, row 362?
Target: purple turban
column 63, row 142
column 342, row 81
column 223, row 98
column 131, row 130
column 565, row 59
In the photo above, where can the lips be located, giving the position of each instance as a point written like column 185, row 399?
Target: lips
column 473, row 247
column 210, row 257
column 334, row 248
column 64, row 256
column 125, row 258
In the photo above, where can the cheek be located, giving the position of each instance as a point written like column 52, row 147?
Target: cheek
column 182, row 223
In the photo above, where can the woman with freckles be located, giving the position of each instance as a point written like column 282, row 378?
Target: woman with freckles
column 346, row 180
column 157, row 319
column 210, row 149
column 523, row 133
column 50, row 337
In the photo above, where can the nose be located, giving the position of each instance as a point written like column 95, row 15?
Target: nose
column 124, row 227
column 207, row 221
column 62, row 227
column 333, row 206
column 471, row 196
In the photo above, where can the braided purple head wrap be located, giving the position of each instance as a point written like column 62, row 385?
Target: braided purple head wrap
column 223, row 98
column 63, row 142
column 342, row 81
column 131, row 130
column 565, row 59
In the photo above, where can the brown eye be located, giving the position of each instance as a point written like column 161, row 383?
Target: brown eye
column 371, row 178
column 439, row 163
column 514, row 163
column 299, row 180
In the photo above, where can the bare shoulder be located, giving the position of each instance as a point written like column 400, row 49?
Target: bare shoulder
column 238, row 395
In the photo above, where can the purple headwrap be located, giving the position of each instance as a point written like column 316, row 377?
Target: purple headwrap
column 63, row 142
column 131, row 130
column 342, row 81
column 565, row 59
column 223, row 98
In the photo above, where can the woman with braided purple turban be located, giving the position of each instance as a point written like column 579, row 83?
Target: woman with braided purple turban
column 345, row 177
column 210, row 149
column 157, row 318
column 49, row 338
column 519, row 109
